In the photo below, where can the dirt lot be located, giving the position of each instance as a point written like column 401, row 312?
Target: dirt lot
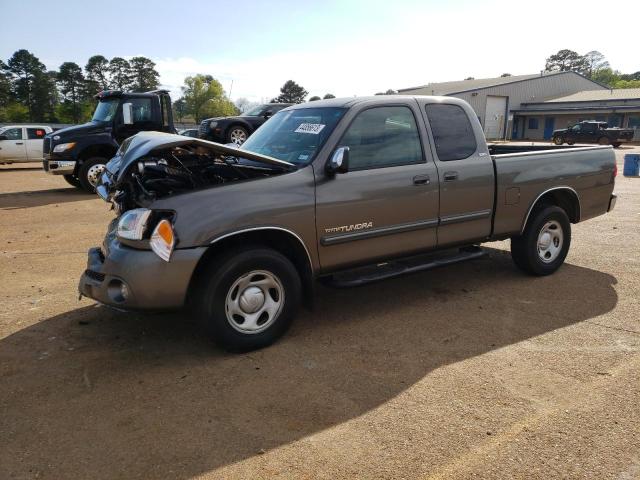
column 473, row 371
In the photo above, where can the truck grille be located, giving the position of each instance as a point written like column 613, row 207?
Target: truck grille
column 97, row 276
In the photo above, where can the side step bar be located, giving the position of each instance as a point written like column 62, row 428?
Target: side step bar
column 395, row 268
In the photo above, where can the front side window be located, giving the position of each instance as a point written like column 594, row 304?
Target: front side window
column 294, row 135
column 35, row 133
column 141, row 109
column 575, row 128
column 13, row 133
column 383, row 137
column 453, row 133
column 255, row 111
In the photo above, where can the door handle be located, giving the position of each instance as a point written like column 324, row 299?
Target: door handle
column 19, row 143
column 450, row 176
column 421, row 180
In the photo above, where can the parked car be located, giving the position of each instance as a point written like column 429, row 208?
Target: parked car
column 237, row 129
column 347, row 191
column 190, row 132
column 79, row 153
column 591, row 131
column 22, row 143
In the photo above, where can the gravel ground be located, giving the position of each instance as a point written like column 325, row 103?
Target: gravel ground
column 471, row 371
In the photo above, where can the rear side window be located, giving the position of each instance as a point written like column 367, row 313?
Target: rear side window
column 452, row 131
column 383, row 137
column 35, row 133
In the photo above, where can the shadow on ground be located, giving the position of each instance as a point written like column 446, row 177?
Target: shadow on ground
column 39, row 198
column 99, row 394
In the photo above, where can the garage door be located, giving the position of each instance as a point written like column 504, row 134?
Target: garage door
column 494, row 118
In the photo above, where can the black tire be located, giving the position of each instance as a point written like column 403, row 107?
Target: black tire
column 86, row 170
column 571, row 143
column 524, row 248
column 616, row 145
column 72, row 180
column 558, row 140
column 604, row 141
column 217, row 285
column 235, row 133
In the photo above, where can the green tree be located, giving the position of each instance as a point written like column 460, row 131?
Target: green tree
column 219, row 107
column 627, row 84
column 179, row 109
column 606, row 76
column 328, row 96
column 388, row 92
column 31, row 85
column 315, row 98
column 143, row 74
column 594, row 62
column 71, row 82
column 119, row 74
column 504, row 75
column 290, row 92
column 201, row 94
column 97, row 74
column 566, row 61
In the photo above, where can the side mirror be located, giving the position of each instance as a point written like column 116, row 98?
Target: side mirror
column 267, row 114
column 127, row 113
column 339, row 162
column 3, row 137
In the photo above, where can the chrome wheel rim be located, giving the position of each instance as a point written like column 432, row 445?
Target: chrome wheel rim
column 254, row 301
column 94, row 173
column 550, row 240
column 238, row 136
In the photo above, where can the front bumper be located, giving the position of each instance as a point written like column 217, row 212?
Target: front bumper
column 612, row 202
column 59, row 167
column 138, row 279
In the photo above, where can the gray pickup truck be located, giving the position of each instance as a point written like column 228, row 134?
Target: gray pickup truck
column 347, row 191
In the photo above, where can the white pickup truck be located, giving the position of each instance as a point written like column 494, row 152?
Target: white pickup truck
column 22, row 143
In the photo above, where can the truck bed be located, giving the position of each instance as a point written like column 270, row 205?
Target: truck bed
column 587, row 171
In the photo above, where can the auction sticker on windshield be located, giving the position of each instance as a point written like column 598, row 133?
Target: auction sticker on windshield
column 313, row 128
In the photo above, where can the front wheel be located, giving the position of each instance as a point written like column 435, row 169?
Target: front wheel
column 72, row 180
column 237, row 135
column 544, row 244
column 558, row 140
column 90, row 172
column 616, row 145
column 248, row 298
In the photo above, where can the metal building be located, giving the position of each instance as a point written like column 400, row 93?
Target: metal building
column 495, row 100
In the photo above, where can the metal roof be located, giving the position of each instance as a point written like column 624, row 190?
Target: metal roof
column 599, row 95
column 447, row 88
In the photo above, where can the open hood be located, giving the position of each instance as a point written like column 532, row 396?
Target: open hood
column 144, row 143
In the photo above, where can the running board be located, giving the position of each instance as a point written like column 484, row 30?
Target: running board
column 395, row 268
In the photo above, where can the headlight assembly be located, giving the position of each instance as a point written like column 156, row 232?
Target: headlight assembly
column 213, row 125
column 163, row 239
column 133, row 223
column 63, row 147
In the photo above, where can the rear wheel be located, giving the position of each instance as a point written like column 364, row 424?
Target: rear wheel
column 558, row 140
column 248, row 298
column 544, row 244
column 604, row 141
column 616, row 145
column 72, row 180
column 90, row 172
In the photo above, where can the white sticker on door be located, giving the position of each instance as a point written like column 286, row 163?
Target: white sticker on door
column 313, row 128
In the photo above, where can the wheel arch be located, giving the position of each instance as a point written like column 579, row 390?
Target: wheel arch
column 238, row 123
column 282, row 240
column 564, row 197
column 104, row 150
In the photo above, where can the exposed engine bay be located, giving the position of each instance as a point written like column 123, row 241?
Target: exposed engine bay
column 174, row 170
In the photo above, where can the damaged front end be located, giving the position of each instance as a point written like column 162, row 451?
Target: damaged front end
column 151, row 165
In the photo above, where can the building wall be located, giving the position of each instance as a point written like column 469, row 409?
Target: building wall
column 535, row 89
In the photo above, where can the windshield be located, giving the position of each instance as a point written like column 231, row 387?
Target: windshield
column 106, row 110
column 294, row 135
column 254, row 112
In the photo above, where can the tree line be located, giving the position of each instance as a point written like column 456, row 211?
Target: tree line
column 593, row 65
column 30, row 92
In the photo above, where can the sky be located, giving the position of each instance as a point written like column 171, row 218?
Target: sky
column 344, row 47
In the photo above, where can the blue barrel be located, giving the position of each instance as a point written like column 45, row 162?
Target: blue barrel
column 631, row 165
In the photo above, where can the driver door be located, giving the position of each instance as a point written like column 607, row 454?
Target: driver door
column 13, row 148
column 386, row 205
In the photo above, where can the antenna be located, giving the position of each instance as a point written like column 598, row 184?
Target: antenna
column 230, row 89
